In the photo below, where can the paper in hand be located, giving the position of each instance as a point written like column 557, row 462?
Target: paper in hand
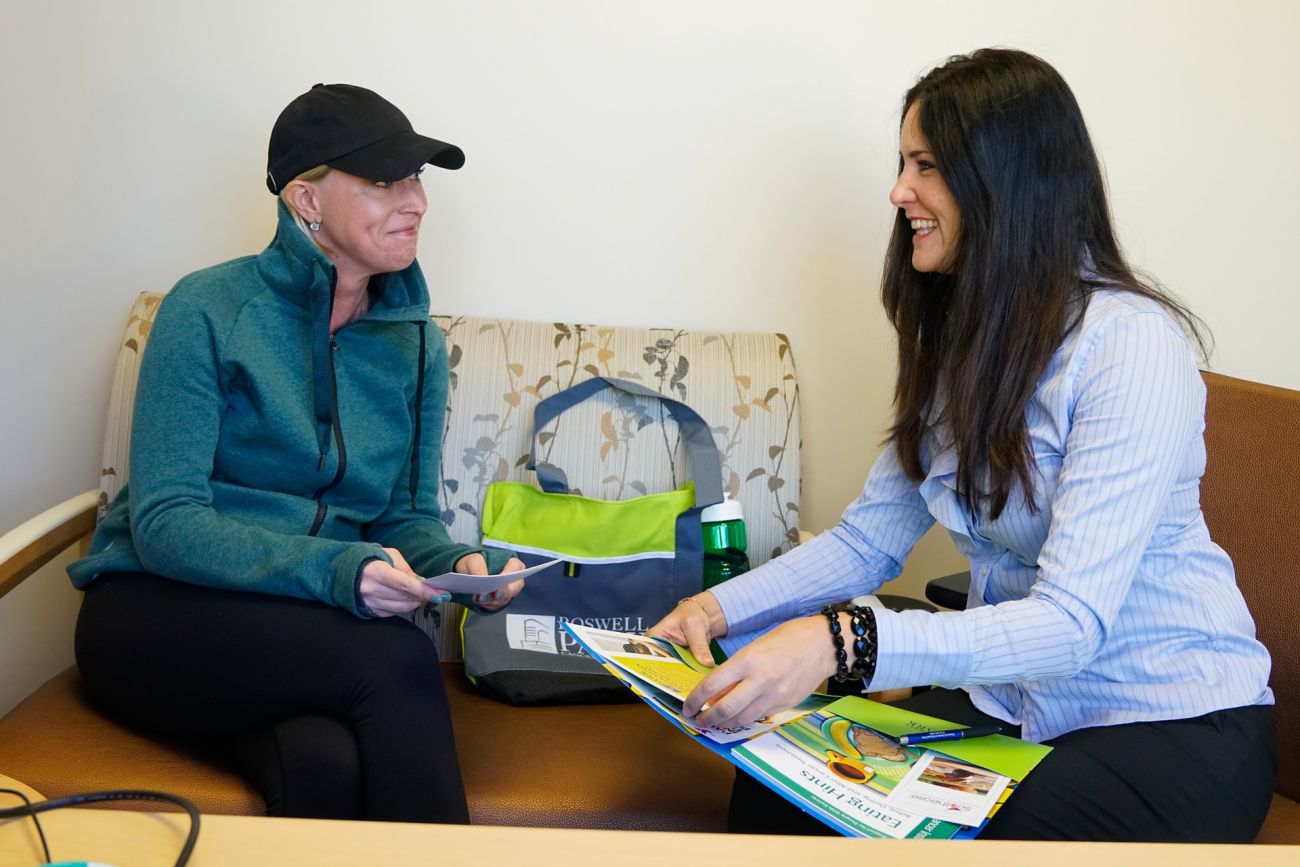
column 459, row 582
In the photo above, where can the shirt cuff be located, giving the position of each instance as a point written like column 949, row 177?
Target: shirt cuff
column 920, row 648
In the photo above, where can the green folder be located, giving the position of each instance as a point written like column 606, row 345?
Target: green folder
column 1010, row 756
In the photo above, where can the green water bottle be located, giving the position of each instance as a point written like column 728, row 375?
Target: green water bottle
column 724, row 542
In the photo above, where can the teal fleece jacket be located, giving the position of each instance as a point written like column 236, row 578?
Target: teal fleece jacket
column 268, row 456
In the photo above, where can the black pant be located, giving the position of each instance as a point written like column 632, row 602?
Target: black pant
column 331, row 716
column 1204, row 780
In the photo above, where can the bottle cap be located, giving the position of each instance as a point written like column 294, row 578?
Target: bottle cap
column 727, row 510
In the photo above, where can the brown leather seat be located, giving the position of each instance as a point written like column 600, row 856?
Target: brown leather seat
column 1282, row 825
column 1250, row 495
column 59, row 744
column 609, row 766
column 590, row 766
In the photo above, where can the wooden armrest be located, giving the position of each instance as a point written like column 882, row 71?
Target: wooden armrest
column 31, row 545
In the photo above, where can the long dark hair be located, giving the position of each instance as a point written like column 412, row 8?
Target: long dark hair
column 1035, row 242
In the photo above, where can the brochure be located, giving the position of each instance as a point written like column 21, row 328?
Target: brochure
column 663, row 674
column 837, row 759
column 461, row 582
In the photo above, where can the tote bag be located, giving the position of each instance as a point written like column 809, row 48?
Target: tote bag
column 624, row 564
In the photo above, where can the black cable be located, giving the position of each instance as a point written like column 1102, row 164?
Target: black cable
column 115, row 795
column 31, row 814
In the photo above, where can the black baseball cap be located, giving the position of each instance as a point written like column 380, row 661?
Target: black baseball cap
column 354, row 130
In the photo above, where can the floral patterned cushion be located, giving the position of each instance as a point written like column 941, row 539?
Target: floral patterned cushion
column 116, row 466
column 742, row 384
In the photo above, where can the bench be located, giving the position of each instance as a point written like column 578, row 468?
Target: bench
column 607, row 766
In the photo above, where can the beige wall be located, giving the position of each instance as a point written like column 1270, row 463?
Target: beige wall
column 36, row 622
column 708, row 164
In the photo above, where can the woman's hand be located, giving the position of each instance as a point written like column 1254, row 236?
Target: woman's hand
column 774, row 673
column 393, row 589
column 692, row 624
column 474, row 564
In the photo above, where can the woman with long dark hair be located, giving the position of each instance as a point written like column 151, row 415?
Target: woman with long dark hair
column 1049, row 414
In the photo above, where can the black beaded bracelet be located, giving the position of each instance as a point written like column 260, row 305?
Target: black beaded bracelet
column 841, row 655
column 865, row 645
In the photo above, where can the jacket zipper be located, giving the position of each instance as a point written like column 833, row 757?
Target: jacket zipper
column 321, row 508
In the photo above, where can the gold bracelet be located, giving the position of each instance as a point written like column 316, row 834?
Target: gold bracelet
column 708, row 625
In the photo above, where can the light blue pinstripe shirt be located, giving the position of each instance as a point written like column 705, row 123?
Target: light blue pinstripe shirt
column 1109, row 605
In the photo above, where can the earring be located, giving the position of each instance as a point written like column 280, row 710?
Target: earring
column 314, row 225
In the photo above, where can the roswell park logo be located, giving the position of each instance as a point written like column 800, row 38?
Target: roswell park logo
column 542, row 632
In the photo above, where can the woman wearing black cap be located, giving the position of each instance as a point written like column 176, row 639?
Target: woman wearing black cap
column 283, row 499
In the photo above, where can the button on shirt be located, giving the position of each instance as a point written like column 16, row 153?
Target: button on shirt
column 1109, row 604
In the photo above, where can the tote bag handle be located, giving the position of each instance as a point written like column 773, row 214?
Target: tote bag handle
column 701, row 451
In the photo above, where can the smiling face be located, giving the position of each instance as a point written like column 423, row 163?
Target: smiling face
column 368, row 227
column 922, row 195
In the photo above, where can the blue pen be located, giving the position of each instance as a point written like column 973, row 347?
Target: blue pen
column 949, row 735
